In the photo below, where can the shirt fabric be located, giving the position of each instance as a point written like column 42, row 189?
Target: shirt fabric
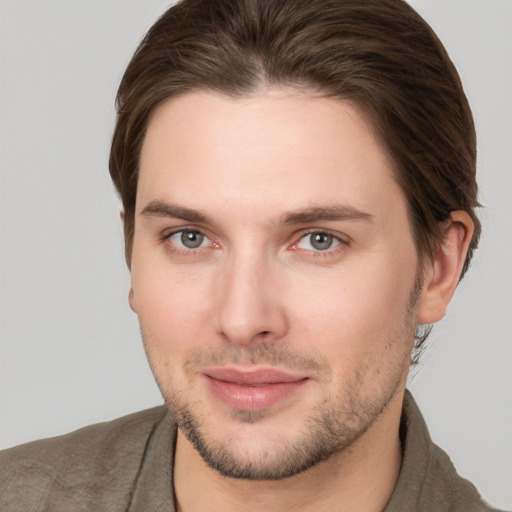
column 127, row 465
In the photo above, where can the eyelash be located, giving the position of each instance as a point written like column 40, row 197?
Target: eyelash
column 184, row 250
column 340, row 245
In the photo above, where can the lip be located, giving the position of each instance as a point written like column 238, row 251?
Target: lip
column 252, row 389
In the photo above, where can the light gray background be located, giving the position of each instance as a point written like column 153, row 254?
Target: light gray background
column 70, row 348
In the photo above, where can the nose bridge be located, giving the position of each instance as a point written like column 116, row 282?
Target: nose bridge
column 249, row 306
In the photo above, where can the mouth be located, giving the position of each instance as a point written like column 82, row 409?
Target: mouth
column 252, row 389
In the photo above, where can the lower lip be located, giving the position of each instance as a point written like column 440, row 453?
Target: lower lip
column 252, row 398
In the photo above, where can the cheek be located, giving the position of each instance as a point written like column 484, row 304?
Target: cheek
column 361, row 328
column 173, row 310
column 354, row 312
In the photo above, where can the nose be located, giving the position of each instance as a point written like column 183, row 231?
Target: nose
column 250, row 306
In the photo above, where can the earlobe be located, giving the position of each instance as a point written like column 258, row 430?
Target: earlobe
column 443, row 272
column 121, row 215
column 131, row 300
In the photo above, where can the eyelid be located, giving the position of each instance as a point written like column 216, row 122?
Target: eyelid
column 168, row 234
column 342, row 239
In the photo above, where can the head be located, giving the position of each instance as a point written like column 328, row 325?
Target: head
column 381, row 55
column 377, row 66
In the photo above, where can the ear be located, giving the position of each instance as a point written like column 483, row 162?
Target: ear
column 443, row 271
column 131, row 300
column 131, row 295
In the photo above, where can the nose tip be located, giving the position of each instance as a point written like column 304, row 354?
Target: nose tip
column 248, row 320
column 251, row 309
column 243, row 333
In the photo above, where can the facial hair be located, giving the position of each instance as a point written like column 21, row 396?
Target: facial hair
column 334, row 424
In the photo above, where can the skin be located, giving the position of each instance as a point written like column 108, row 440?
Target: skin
column 252, row 181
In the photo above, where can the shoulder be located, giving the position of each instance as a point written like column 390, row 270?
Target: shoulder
column 105, row 455
column 445, row 481
column 428, row 479
column 128, row 433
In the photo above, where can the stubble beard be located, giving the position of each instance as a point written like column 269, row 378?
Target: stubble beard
column 333, row 425
column 328, row 431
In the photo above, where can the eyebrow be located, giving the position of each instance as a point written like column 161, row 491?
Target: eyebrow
column 305, row 216
column 161, row 209
column 325, row 213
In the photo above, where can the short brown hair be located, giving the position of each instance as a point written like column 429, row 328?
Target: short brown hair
column 379, row 54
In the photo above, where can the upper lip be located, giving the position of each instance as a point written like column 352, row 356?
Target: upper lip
column 252, row 376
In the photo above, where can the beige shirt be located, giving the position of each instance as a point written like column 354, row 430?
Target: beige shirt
column 127, row 465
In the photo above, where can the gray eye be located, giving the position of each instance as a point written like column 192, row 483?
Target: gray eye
column 191, row 239
column 321, row 241
column 318, row 241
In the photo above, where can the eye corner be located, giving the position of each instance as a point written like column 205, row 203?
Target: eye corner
column 328, row 244
column 188, row 240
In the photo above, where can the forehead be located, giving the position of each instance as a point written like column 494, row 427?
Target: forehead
column 282, row 149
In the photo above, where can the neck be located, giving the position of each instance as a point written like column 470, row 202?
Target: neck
column 359, row 478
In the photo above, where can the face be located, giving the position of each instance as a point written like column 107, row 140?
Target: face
column 274, row 275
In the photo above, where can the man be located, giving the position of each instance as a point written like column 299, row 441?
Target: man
column 298, row 189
